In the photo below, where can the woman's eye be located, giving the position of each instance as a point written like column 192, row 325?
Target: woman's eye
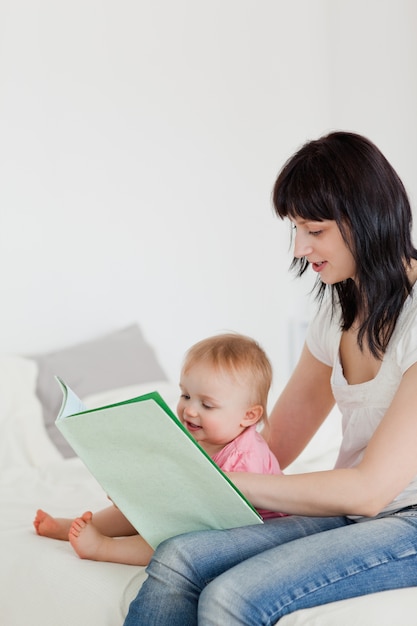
column 315, row 233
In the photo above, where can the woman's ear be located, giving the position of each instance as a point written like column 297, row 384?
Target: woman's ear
column 252, row 415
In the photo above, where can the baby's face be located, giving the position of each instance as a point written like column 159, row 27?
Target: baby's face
column 212, row 406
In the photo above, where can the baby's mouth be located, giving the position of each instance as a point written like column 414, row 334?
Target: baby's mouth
column 191, row 426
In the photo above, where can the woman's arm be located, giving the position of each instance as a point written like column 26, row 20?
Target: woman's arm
column 388, row 465
column 301, row 408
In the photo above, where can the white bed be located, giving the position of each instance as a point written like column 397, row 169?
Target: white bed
column 42, row 581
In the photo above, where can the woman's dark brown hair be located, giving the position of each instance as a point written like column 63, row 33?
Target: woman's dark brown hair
column 344, row 177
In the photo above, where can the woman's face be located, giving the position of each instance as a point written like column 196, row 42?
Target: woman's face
column 322, row 244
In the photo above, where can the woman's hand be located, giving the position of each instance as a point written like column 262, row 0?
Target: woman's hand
column 387, row 467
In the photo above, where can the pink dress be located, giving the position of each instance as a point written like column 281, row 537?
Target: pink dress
column 249, row 452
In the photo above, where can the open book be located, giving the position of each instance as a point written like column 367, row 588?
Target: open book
column 151, row 467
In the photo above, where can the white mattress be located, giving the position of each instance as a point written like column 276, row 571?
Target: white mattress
column 43, row 582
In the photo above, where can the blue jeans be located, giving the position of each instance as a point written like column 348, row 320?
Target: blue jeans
column 257, row 574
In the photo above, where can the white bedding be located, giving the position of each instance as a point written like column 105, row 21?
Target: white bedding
column 43, row 582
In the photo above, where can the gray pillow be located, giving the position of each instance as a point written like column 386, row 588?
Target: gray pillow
column 118, row 359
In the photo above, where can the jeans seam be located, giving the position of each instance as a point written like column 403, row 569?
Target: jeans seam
column 280, row 613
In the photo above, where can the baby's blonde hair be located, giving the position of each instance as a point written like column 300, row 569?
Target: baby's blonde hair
column 238, row 355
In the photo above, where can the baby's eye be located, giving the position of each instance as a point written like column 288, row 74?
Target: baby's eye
column 185, row 396
column 207, row 406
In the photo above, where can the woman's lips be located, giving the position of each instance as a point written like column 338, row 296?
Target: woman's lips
column 317, row 267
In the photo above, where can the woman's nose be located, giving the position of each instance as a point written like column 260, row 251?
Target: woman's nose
column 302, row 247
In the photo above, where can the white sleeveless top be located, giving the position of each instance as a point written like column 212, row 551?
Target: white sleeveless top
column 363, row 406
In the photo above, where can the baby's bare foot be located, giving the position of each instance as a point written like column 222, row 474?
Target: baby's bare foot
column 86, row 540
column 53, row 527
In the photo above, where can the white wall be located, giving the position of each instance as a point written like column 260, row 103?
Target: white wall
column 373, row 77
column 139, row 142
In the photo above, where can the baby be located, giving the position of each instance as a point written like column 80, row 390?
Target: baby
column 224, row 383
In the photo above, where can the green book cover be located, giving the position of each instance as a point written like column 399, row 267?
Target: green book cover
column 152, row 468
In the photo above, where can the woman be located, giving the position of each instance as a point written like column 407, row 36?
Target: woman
column 353, row 529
